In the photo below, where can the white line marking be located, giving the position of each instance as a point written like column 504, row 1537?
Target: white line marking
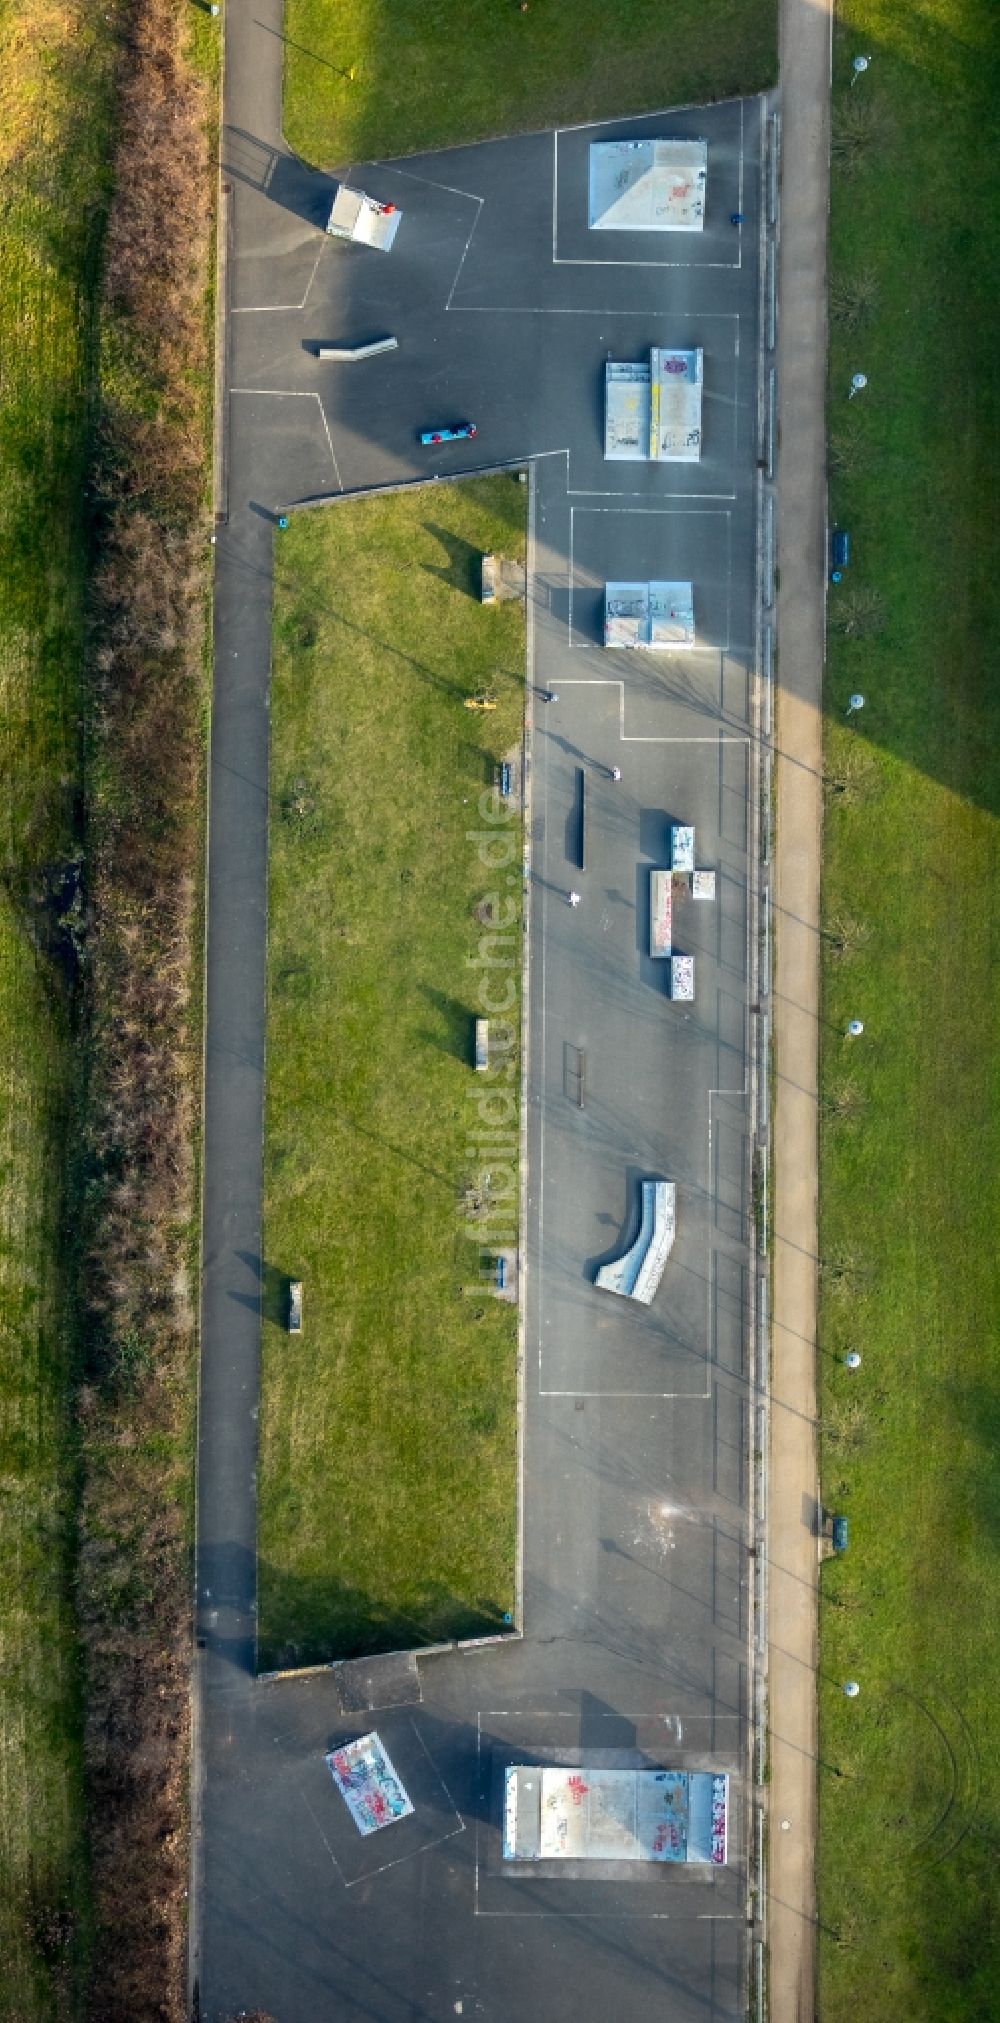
column 329, row 440
column 437, row 1774
column 739, row 183
column 465, row 249
column 692, row 266
column 296, row 393
column 400, row 1858
column 305, row 1800
column 679, row 511
column 479, row 1807
column 431, row 181
column 512, row 309
column 572, row 578
column 618, row 1917
column 281, row 308
column 555, row 195
column 710, row 498
column 688, row 1397
column 645, row 118
column 526, row 1714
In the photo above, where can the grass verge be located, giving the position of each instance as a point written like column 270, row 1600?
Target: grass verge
column 374, row 79
column 388, row 1426
column 910, row 1772
column 56, row 102
column 104, row 390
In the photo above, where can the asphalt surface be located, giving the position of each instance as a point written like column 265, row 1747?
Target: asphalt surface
column 635, row 1598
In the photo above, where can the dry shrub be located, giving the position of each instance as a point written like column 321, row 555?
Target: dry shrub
column 143, row 850
column 845, row 1103
column 849, row 448
column 859, row 611
column 854, row 298
column 863, row 126
column 846, row 935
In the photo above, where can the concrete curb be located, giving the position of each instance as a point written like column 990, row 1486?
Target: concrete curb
column 223, row 337
column 418, row 1651
column 406, row 485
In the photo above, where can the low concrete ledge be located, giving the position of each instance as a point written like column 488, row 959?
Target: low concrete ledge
column 348, row 354
column 637, row 1273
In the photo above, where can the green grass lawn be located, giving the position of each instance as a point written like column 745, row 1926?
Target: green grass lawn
column 911, row 1129
column 386, row 1507
column 52, row 148
column 365, row 78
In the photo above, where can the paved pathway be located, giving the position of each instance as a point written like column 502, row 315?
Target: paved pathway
column 793, row 1584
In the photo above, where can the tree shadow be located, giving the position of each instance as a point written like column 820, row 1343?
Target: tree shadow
column 454, row 1034
column 631, row 1220
column 278, row 175
column 318, row 1618
column 273, row 1301
column 464, row 560
column 339, row 69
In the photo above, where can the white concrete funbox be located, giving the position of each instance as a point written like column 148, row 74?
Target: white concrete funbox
column 555, row 1813
column 652, row 410
column 362, row 219
column 656, row 616
column 648, row 185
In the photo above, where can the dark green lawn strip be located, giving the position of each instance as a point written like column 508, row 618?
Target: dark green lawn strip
column 380, row 79
column 387, row 1428
column 911, row 1133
